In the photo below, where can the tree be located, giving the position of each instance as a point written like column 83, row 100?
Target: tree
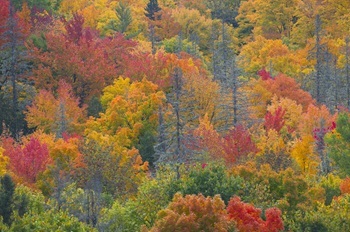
column 124, row 19
column 338, row 143
column 85, row 62
column 286, row 87
column 7, row 189
column 274, row 56
column 193, row 213
column 34, row 153
column 56, row 114
column 274, row 121
column 152, row 9
column 13, row 66
column 131, row 115
column 303, row 153
column 49, row 220
column 208, row 179
column 224, row 10
column 3, row 162
column 235, row 144
column 248, row 217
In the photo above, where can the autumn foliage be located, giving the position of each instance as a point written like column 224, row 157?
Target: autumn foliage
column 248, row 218
column 193, row 213
column 114, row 111
column 28, row 160
column 236, row 143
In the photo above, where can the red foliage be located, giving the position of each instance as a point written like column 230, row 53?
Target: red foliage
column 4, row 14
column 265, row 75
column 28, row 161
column 248, row 218
column 74, row 28
column 275, row 120
column 86, row 66
column 238, row 143
column 273, row 220
column 41, row 20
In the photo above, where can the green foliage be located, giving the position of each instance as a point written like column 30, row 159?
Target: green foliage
column 334, row 217
column 152, row 196
column 7, row 190
column 50, row 220
column 39, row 41
column 27, row 201
column 330, row 183
column 94, row 107
column 338, row 144
column 343, row 126
column 285, row 189
column 172, row 45
column 151, row 9
column 124, row 19
column 208, row 179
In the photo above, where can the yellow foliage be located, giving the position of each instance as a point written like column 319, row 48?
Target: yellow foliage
column 68, row 7
column 271, row 142
column 3, row 162
column 129, row 107
column 293, row 111
column 264, row 53
column 65, row 151
column 191, row 21
column 303, row 154
column 259, row 98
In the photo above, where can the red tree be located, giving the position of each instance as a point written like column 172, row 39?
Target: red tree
column 265, row 75
column 248, row 218
column 4, row 14
column 237, row 142
column 274, row 120
column 27, row 161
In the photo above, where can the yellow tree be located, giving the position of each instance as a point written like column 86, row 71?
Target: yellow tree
column 306, row 12
column 193, row 23
column 131, row 116
column 274, row 56
column 3, row 162
column 272, row 19
column 303, row 153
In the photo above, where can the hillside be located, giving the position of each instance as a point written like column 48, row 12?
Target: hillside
column 174, row 115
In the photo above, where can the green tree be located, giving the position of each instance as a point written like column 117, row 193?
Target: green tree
column 338, row 144
column 124, row 19
column 7, row 190
column 152, row 14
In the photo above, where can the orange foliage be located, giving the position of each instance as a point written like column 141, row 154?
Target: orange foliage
column 286, row 87
column 345, row 186
column 316, row 117
column 47, row 112
column 192, row 213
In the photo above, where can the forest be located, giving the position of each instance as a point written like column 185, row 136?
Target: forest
column 175, row 115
